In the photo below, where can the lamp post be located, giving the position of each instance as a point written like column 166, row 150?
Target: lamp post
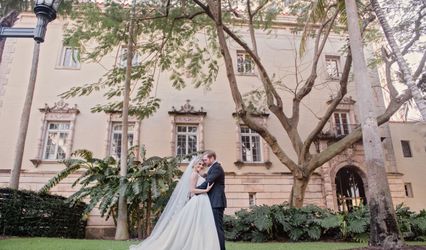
column 45, row 11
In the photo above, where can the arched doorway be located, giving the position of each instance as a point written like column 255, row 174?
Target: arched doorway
column 350, row 191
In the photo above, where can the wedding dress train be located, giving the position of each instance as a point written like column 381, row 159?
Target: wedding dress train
column 191, row 228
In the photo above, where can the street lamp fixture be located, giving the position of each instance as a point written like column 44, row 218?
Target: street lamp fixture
column 45, row 11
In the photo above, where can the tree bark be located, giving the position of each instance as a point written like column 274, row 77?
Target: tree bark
column 298, row 190
column 384, row 230
column 25, row 118
column 418, row 97
column 122, row 231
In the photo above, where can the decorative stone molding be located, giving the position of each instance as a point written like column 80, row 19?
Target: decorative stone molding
column 346, row 105
column 187, row 109
column 60, row 111
column 239, row 164
column 115, row 117
column 59, row 107
column 359, row 169
column 187, row 114
column 345, row 100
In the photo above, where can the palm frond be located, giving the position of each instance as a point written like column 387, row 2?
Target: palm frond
column 59, row 177
column 83, row 153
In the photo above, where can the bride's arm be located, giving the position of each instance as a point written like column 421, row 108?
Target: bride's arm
column 194, row 189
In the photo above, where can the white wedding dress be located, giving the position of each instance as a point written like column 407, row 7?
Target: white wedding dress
column 191, row 228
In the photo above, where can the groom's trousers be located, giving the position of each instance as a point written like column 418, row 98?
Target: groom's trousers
column 218, row 220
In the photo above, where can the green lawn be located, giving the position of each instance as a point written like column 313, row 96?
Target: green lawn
column 67, row 244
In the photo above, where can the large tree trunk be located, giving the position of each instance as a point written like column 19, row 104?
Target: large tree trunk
column 298, row 191
column 122, row 232
column 25, row 118
column 7, row 21
column 384, row 230
column 405, row 69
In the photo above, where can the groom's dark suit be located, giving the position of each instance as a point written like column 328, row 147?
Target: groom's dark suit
column 217, row 197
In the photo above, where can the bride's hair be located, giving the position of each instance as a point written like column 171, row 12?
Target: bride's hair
column 198, row 162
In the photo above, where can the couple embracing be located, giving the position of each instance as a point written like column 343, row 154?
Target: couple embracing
column 194, row 221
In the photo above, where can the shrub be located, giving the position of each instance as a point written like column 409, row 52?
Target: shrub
column 27, row 213
column 280, row 222
column 311, row 223
column 412, row 225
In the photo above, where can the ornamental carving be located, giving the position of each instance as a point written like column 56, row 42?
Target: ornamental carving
column 60, row 107
column 187, row 119
column 187, row 108
column 345, row 100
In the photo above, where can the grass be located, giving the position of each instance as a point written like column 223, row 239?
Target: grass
column 69, row 244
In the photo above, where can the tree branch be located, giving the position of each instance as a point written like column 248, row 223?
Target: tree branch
column 241, row 112
column 417, row 34
column 388, row 64
column 332, row 107
column 356, row 135
column 342, row 92
column 421, row 66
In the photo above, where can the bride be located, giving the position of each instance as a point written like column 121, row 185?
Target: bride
column 185, row 224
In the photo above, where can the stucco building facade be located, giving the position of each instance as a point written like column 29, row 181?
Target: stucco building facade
column 199, row 118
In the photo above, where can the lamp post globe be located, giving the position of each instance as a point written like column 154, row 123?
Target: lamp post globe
column 45, row 11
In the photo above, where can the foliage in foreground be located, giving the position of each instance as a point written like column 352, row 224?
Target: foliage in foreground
column 311, row 223
column 27, row 213
column 148, row 185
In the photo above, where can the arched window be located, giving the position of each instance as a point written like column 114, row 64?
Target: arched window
column 349, row 189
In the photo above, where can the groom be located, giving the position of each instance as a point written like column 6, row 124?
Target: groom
column 216, row 175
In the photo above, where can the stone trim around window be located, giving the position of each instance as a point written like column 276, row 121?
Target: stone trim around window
column 187, row 115
column 245, row 65
column 115, row 117
column 63, row 63
column 239, row 163
column 332, row 67
column 346, row 105
column 59, row 112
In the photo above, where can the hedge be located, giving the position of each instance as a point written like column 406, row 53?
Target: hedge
column 30, row 214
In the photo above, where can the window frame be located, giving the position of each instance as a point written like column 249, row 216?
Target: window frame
column 59, row 112
column 114, row 118
column 122, row 58
column 406, row 149
column 251, row 135
column 186, row 115
column 119, row 132
column 246, row 57
column 75, row 64
column 341, row 123
column 408, row 188
column 58, row 131
column 187, row 134
column 336, row 60
column 260, row 119
column 252, row 199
